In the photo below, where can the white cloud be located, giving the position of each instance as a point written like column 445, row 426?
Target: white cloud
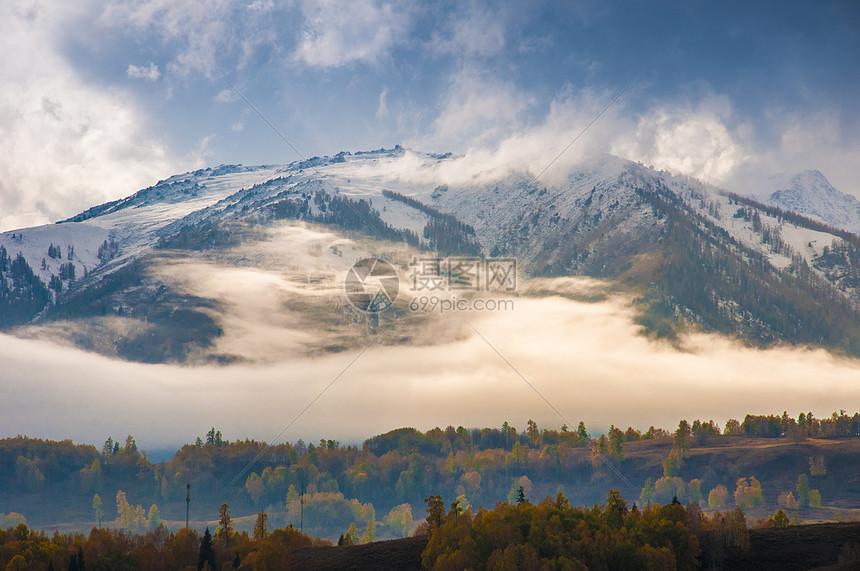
column 479, row 110
column 484, row 120
column 338, row 33
column 64, row 145
column 382, row 108
column 205, row 36
column 260, row 5
column 218, row 36
column 473, row 30
column 203, row 149
column 816, row 140
column 704, row 139
column 226, row 96
column 149, row 72
column 686, row 139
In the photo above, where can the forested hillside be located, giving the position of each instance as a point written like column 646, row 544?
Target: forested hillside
column 689, row 256
column 764, row 463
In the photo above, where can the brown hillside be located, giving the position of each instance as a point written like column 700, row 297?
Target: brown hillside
column 393, row 555
column 796, row 548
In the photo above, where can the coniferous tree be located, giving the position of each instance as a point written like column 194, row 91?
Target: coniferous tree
column 521, row 496
column 77, row 563
column 261, row 526
column 225, row 523
column 207, row 551
column 582, row 432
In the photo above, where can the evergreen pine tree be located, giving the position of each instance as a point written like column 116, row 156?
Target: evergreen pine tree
column 521, row 496
column 207, row 551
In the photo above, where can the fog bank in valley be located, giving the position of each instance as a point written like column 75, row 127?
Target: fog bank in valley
column 588, row 359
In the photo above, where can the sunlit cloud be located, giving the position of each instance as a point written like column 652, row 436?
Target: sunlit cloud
column 200, row 33
column 494, row 150
column 690, row 140
column 588, row 359
column 66, row 144
column 226, row 96
column 204, row 39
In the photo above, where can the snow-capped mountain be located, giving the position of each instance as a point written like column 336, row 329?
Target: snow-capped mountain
column 811, row 194
column 187, row 269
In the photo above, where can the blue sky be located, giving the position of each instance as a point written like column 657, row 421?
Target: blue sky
column 101, row 98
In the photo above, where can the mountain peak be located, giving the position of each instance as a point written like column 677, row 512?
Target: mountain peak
column 661, row 237
column 811, row 194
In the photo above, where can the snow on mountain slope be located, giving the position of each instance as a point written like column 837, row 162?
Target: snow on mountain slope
column 597, row 203
column 608, row 218
column 811, row 194
column 806, row 242
column 33, row 244
column 136, row 220
column 133, row 222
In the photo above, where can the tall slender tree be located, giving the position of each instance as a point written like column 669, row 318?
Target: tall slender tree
column 261, row 526
column 225, row 524
column 97, row 509
column 207, row 551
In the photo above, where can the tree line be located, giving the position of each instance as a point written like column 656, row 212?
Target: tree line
column 23, row 549
column 380, row 481
column 554, row 535
column 515, row 535
column 795, row 218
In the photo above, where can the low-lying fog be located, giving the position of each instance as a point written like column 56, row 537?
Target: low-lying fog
column 587, row 359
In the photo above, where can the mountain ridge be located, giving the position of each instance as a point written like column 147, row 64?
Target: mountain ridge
column 691, row 255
